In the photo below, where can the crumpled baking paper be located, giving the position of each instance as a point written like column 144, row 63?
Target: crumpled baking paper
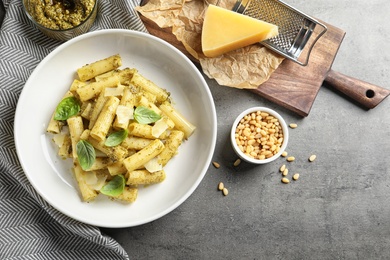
column 245, row 68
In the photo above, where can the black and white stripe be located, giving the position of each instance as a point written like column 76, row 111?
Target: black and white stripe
column 29, row 227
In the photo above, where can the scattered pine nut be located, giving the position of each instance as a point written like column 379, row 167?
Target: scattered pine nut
column 312, row 158
column 285, row 180
column 285, row 172
column 290, row 159
column 295, row 176
column 221, row 186
column 284, row 154
column 282, row 168
column 216, row 165
column 292, row 125
column 225, row 191
column 237, row 162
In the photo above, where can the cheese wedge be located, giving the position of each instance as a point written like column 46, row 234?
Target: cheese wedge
column 224, row 30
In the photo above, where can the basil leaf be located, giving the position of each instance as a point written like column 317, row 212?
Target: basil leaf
column 68, row 107
column 116, row 138
column 114, row 187
column 145, row 115
column 86, row 154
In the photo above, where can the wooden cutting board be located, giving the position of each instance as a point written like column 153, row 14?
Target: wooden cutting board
column 293, row 86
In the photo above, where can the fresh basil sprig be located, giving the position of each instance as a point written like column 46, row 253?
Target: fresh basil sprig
column 86, row 154
column 114, row 187
column 68, row 107
column 116, row 138
column 145, row 115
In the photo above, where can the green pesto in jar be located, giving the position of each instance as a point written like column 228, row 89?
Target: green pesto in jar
column 60, row 14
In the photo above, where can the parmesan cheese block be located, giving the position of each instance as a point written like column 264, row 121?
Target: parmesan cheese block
column 224, row 30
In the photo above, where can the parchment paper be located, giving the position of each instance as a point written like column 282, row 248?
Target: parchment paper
column 245, row 68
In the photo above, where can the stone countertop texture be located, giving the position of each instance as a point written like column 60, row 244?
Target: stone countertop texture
column 339, row 208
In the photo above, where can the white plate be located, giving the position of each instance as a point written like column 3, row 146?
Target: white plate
column 156, row 60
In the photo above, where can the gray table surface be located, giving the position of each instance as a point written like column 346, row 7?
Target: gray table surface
column 338, row 209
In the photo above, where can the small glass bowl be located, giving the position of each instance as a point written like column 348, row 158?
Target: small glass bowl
column 244, row 156
column 65, row 34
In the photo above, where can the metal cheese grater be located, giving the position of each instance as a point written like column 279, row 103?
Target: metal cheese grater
column 298, row 32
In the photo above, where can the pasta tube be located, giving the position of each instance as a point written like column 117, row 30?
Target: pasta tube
column 181, row 123
column 144, row 131
column 135, row 143
column 124, row 75
column 105, row 119
column 93, row 89
column 148, row 86
column 96, row 68
column 144, row 177
column 76, row 128
column 138, row 159
column 172, row 144
column 87, row 193
column 129, row 194
column 99, row 104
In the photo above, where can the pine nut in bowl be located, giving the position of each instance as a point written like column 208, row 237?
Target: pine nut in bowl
column 259, row 135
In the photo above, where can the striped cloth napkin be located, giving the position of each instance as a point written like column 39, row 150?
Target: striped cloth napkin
column 29, row 227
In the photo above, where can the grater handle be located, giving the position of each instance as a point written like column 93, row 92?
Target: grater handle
column 364, row 93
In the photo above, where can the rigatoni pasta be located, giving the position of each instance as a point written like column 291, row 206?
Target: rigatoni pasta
column 99, row 67
column 181, row 123
column 93, row 89
column 120, row 131
column 137, row 160
column 76, row 128
column 149, row 87
column 145, row 177
column 105, row 118
column 172, row 144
